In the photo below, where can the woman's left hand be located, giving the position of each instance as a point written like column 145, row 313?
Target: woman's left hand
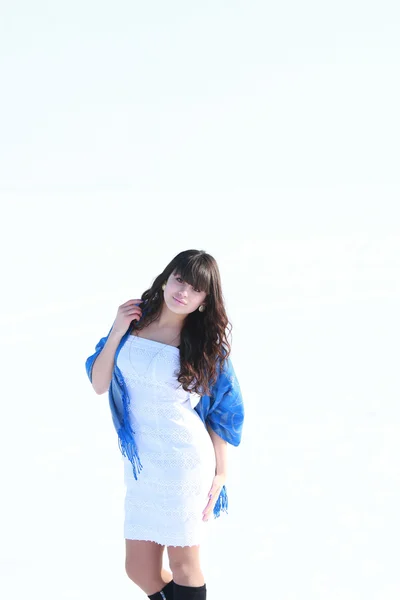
column 218, row 482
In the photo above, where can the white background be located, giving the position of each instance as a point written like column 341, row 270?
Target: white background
column 266, row 134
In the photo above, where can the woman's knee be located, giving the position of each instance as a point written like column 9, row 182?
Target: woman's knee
column 187, row 573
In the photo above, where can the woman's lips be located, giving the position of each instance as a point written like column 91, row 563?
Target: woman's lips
column 183, row 304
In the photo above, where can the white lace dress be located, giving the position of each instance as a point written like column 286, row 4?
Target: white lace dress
column 166, row 502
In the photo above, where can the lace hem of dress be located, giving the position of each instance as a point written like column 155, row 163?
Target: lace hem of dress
column 162, row 543
column 192, row 537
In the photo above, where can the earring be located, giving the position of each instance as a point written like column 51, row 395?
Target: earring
column 202, row 308
column 164, row 285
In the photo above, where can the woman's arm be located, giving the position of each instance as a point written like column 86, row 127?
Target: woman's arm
column 221, row 453
column 102, row 368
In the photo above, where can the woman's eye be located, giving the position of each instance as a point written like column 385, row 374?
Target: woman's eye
column 180, row 279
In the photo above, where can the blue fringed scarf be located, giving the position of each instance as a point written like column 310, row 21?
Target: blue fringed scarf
column 222, row 410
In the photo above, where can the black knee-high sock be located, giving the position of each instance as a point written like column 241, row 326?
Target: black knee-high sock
column 167, row 593
column 185, row 592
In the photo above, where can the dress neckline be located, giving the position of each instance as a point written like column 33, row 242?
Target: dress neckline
column 137, row 337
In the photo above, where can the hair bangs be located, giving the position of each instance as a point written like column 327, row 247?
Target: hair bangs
column 196, row 272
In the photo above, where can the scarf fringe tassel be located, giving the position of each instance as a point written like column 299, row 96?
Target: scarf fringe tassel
column 128, row 448
column 222, row 503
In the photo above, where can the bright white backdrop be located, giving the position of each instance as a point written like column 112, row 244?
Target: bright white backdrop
column 267, row 136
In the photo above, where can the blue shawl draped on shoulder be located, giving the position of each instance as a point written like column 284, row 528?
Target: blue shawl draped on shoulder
column 222, row 410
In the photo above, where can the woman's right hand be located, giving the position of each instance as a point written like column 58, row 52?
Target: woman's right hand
column 127, row 312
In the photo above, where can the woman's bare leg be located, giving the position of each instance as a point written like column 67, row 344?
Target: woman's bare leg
column 184, row 563
column 143, row 565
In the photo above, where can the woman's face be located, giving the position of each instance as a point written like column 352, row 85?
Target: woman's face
column 180, row 296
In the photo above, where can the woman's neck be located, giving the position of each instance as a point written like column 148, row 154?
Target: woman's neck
column 169, row 320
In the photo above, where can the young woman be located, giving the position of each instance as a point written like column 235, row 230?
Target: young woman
column 176, row 404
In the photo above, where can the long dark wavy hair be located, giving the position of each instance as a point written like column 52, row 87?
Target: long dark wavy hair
column 204, row 345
